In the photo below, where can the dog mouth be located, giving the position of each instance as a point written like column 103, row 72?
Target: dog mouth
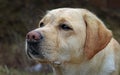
column 40, row 51
column 34, row 50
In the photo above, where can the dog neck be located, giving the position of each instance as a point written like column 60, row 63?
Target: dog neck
column 66, row 69
column 99, row 65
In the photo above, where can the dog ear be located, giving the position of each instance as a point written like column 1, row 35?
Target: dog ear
column 97, row 35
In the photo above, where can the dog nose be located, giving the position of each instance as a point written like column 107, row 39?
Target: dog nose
column 33, row 35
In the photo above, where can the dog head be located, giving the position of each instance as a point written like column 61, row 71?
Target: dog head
column 67, row 35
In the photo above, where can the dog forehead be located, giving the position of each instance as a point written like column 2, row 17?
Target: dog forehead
column 62, row 10
column 68, row 14
column 65, row 12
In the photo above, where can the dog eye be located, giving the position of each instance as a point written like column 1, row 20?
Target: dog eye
column 65, row 27
column 41, row 24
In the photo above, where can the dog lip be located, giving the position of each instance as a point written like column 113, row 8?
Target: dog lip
column 29, row 55
column 34, row 49
column 35, row 54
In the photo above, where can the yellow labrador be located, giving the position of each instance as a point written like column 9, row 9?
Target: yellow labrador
column 74, row 42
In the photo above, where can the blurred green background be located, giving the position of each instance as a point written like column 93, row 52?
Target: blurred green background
column 17, row 17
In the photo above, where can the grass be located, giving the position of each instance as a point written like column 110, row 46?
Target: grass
column 9, row 71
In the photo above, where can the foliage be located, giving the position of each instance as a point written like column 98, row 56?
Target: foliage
column 10, row 71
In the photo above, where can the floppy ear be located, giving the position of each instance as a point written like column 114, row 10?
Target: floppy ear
column 97, row 35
